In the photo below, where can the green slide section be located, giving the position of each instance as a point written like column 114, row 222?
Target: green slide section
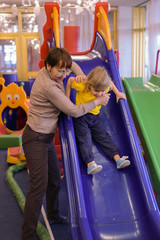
column 144, row 103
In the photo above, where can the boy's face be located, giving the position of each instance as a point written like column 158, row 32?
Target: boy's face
column 96, row 92
column 57, row 73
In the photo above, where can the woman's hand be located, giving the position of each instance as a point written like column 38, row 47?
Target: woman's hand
column 79, row 78
column 102, row 100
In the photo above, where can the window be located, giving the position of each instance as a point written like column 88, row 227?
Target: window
column 29, row 22
column 33, row 52
column 19, row 44
column 8, row 56
column 112, row 18
column 8, row 23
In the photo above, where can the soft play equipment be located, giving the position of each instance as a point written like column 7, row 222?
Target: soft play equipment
column 41, row 231
column 71, row 32
column 9, row 140
column 13, row 114
column 144, row 102
column 113, row 204
column 15, row 155
column 13, row 117
column 9, row 78
column 13, row 107
column 27, row 85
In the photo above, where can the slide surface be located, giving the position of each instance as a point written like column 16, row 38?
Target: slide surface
column 144, row 102
column 113, row 204
column 118, row 204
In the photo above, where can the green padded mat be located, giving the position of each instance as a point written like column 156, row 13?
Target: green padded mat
column 144, row 103
column 10, row 140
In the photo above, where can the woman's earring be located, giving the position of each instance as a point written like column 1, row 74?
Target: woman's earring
column 49, row 68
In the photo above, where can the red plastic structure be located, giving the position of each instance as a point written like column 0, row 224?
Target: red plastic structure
column 156, row 69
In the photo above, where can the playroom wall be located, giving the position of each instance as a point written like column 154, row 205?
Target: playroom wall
column 125, row 40
column 151, row 41
column 153, row 34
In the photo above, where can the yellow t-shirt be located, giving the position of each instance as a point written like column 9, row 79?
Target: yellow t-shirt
column 83, row 96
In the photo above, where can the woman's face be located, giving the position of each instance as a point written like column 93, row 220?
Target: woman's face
column 58, row 73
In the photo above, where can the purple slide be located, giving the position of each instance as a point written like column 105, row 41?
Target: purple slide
column 113, row 204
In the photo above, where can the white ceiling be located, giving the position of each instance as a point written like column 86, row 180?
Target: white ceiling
column 112, row 2
column 127, row 2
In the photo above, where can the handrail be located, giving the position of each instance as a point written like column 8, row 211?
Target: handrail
column 116, row 53
column 103, row 26
column 67, row 169
column 156, row 69
column 77, row 183
column 52, row 14
column 55, row 18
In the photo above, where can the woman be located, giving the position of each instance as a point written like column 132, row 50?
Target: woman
column 47, row 100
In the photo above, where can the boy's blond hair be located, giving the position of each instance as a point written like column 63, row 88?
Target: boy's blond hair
column 99, row 79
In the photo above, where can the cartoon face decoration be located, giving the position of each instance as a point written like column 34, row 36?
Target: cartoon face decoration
column 13, row 108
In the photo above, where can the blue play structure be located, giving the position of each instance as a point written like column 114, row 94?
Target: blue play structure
column 27, row 85
column 113, row 204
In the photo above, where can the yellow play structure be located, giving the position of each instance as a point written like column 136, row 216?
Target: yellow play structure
column 13, row 117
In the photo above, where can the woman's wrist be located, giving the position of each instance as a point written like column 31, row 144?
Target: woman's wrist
column 96, row 101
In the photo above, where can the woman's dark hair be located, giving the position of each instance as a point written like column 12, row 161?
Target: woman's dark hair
column 58, row 57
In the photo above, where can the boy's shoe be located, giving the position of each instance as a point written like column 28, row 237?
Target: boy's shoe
column 122, row 163
column 59, row 220
column 94, row 168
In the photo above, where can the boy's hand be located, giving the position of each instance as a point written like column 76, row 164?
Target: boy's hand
column 120, row 95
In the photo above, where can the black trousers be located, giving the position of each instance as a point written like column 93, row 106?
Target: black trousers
column 44, row 176
column 90, row 127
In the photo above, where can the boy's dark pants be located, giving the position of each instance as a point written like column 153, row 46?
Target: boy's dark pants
column 90, row 127
column 44, row 176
